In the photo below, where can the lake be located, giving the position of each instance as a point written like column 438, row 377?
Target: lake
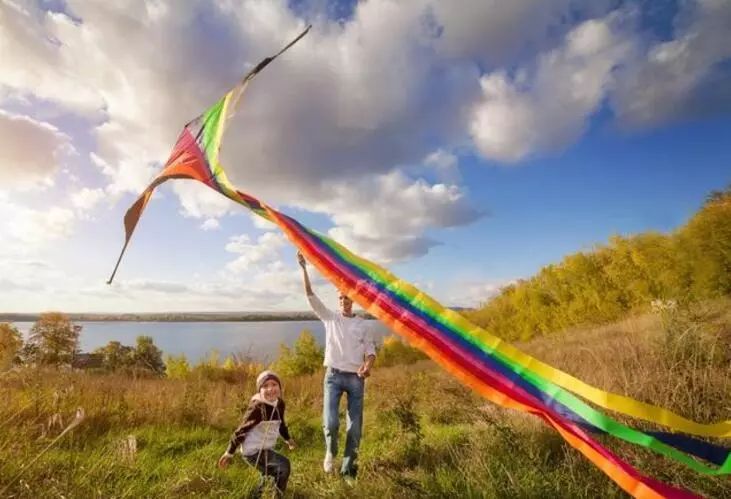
column 259, row 340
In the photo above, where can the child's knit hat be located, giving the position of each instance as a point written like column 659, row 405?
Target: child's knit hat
column 266, row 376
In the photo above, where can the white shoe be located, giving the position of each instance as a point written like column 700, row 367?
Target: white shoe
column 327, row 464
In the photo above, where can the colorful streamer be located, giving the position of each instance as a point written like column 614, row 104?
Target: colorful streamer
column 495, row 369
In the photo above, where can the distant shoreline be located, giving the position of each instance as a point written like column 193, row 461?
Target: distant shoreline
column 175, row 317
column 184, row 317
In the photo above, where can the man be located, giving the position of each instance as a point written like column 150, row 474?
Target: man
column 349, row 355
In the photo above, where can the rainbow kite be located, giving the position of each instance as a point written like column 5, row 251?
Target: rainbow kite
column 495, row 369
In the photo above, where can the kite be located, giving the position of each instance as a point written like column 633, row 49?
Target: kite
column 493, row 368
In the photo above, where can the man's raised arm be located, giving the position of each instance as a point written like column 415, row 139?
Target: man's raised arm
column 321, row 311
column 305, row 276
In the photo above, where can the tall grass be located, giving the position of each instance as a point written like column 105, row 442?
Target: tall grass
column 425, row 434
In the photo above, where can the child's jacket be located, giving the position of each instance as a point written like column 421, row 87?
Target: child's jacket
column 263, row 423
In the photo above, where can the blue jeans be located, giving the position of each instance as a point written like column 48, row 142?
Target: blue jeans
column 273, row 464
column 335, row 384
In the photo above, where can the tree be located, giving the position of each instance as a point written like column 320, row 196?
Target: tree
column 147, row 356
column 177, row 367
column 10, row 344
column 56, row 337
column 394, row 351
column 29, row 354
column 116, row 356
column 304, row 358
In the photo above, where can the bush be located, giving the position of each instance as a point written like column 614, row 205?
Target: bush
column 10, row 344
column 234, row 369
column 304, row 358
column 177, row 367
column 395, row 352
column 56, row 339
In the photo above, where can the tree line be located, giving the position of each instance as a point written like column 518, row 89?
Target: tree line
column 54, row 341
column 627, row 274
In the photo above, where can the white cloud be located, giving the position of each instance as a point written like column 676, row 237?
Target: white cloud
column 496, row 32
column 27, row 226
column 30, row 150
column 470, row 293
column 441, row 159
column 34, row 58
column 383, row 217
column 200, row 201
column 546, row 108
column 333, row 125
column 262, row 223
column 210, row 224
column 266, row 249
column 681, row 77
column 86, row 199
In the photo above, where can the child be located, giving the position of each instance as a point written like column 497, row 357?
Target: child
column 257, row 434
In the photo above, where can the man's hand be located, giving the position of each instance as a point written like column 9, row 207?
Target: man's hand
column 364, row 371
column 290, row 444
column 306, row 278
column 224, row 461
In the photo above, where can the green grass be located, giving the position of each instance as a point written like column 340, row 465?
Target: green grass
column 424, row 435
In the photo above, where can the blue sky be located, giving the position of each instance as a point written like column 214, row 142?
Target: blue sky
column 461, row 148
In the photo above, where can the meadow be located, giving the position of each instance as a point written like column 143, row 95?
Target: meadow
column 424, row 434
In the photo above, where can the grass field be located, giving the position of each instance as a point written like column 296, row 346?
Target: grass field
column 424, row 434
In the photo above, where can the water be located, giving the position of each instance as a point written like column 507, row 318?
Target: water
column 259, row 340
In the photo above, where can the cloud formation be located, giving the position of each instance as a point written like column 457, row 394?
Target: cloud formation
column 682, row 77
column 366, row 121
column 31, row 151
column 546, row 107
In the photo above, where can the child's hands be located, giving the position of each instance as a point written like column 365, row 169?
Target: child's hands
column 291, row 444
column 224, row 461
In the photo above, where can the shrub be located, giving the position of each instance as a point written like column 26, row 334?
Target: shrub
column 10, row 344
column 177, row 367
column 305, row 357
column 394, row 352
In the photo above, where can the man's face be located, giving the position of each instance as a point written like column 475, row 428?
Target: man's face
column 270, row 390
column 346, row 305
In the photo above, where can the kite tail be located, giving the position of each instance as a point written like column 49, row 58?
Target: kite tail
column 492, row 387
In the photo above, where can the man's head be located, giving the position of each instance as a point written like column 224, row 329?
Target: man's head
column 346, row 304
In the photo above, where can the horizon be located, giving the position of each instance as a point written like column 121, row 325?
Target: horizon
column 461, row 149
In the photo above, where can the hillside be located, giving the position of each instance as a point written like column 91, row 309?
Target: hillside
column 626, row 275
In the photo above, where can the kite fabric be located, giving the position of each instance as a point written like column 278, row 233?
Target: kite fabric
column 493, row 368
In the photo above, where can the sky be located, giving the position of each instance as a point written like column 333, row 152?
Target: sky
column 463, row 145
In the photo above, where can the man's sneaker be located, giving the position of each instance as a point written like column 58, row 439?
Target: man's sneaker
column 327, row 464
column 349, row 480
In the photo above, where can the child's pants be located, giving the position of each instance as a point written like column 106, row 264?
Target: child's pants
column 270, row 463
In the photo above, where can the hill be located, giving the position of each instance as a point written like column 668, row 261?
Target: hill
column 626, row 275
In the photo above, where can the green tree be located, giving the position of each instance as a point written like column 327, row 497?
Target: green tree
column 147, row 356
column 229, row 363
column 706, row 241
column 56, row 337
column 10, row 344
column 116, row 356
column 394, row 351
column 304, row 358
column 628, row 273
column 176, row 366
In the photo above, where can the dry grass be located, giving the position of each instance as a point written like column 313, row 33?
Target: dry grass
column 424, row 432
